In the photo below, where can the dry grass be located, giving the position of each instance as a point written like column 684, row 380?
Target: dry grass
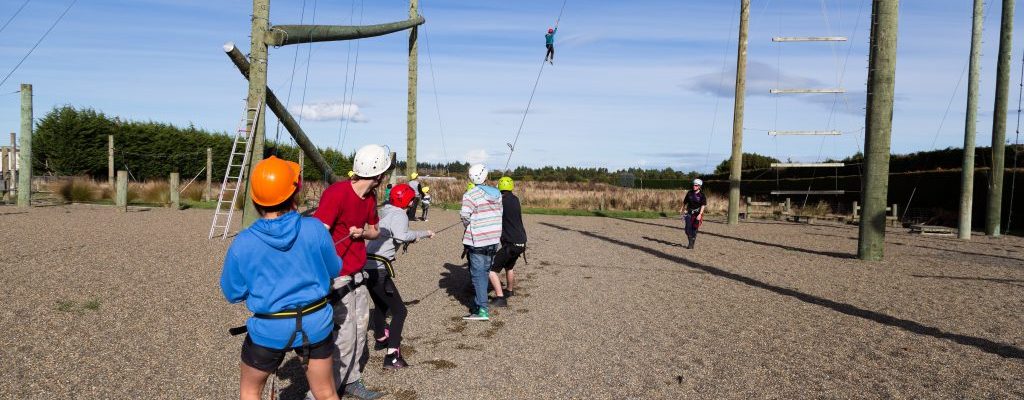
column 551, row 195
column 584, row 196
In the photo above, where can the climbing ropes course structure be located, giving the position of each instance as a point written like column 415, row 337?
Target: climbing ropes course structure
column 829, row 132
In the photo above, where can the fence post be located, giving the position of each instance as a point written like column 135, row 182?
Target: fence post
column 789, row 205
column 855, row 209
column 110, row 160
column 3, row 174
column 208, row 190
column 895, row 214
column 122, row 190
column 747, row 209
column 175, row 195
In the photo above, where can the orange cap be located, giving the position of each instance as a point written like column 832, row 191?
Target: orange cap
column 274, row 180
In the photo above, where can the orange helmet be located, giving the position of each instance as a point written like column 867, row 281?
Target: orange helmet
column 274, row 180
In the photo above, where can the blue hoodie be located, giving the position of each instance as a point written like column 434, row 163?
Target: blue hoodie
column 280, row 264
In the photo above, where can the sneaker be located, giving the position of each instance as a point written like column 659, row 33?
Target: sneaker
column 395, row 361
column 499, row 302
column 358, row 390
column 508, row 293
column 481, row 315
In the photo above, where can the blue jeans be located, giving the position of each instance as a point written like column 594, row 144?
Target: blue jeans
column 480, row 259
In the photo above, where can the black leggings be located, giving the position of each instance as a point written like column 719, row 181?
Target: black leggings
column 551, row 52
column 386, row 298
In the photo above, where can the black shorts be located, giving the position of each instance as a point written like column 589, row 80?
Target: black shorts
column 267, row 359
column 506, row 257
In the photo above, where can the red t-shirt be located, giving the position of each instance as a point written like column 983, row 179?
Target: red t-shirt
column 341, row 208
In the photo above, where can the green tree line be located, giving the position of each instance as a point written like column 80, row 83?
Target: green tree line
column 73, row 141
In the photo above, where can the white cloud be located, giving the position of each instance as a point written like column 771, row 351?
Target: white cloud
column 477, row 156
column 329, row 111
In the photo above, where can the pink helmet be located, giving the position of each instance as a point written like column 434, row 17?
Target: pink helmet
column 551, row 30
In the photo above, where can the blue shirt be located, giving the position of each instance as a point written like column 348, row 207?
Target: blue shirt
column 277, row 265
column 550, row 37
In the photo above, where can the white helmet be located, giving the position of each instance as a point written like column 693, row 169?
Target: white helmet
column 371, row 160
column 698, row 182
column 478, row 174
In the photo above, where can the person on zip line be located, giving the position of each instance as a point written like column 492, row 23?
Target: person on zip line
column 549, row 38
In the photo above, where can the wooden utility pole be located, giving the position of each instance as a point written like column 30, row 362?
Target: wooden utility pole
column 25, row 155
column 110, row 160
column 736, row 161
column 208, row 190
column 994, row 211
column 410, row 157
column 878, row 128
column 257, row 97
column 970, row 125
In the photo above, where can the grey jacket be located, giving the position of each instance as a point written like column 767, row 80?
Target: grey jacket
column 394, row 230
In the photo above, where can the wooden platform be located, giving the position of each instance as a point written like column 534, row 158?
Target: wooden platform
column 932, row 230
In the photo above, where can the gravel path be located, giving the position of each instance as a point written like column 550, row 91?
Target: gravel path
column 101, row 304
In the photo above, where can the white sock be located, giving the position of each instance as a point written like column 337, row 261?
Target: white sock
column 392, row 351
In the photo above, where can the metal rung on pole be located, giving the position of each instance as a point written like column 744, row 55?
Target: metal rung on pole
column 809, row 39
column 805, row 91
column 808, row 192
column 807, row 165
column 805, row 133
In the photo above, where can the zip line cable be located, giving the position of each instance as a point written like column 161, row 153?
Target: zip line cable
column 1016, row 151
column 512, row 146
column 291, row 79
column 54, row 25
column 18, row 11
column 437, row 103
column 352, row 93
column 309, row 56
column 935, row 139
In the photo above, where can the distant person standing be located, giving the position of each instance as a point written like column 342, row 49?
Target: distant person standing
column 415, row 185
column 693, row 211
column 549, row 38
column 426, row 202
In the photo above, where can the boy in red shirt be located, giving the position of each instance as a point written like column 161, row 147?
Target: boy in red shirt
column 349, row 210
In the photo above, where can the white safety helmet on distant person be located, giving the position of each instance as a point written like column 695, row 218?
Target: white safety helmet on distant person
column 698, row 182
column 478, row 174
column 371, row 160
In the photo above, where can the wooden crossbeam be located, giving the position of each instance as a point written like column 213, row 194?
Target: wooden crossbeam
column 808, row 91
column 805, row 133
column 809, row 39
column 808, row 192
column 808, row 165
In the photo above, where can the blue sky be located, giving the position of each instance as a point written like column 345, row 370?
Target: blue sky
column 640, row 83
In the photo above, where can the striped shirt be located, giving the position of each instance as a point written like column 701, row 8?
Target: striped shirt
column 481, row 214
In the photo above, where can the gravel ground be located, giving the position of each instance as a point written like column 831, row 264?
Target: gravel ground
column 101, row 304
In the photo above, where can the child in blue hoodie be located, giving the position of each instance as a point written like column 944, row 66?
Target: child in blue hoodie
column 282, row 267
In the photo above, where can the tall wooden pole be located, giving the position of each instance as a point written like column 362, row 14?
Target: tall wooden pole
column 110, row 160
column 257, row 96
column 25, row 155
column 410, row 159
column 736, row 161
column 995, row 183
column 878, row 127
column 970, row 125
column 208, row 189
